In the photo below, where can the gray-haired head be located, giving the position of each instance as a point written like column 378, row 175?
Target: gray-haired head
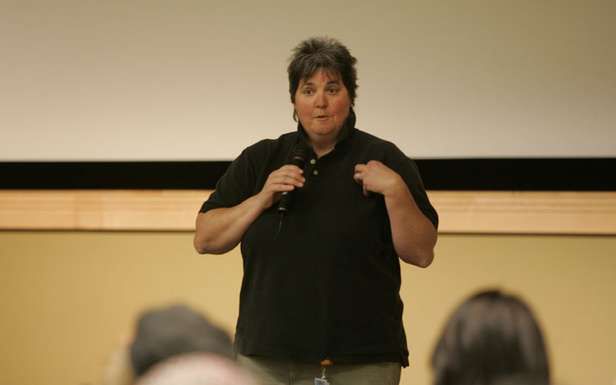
column 322, row 53
column 197, row 369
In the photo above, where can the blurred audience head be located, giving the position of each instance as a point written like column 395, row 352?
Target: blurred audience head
column 196, row 369
column 491, row 338
column 166, row 332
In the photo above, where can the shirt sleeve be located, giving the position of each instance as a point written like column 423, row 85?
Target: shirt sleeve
column 235, row 186
column 407, row 169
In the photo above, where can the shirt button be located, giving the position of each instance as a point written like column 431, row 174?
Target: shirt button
column 313, row 161
column 315, row 172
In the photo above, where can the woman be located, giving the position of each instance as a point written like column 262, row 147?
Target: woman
column 492, row 338
column 321, row 283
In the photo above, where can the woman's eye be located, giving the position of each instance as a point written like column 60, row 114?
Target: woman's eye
column 332, row 91
column 307, row 91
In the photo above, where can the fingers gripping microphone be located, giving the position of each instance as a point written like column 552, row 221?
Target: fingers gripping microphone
column 298, row 158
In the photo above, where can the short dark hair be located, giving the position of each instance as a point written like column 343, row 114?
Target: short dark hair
column 490, row 336
column 322, row 53
column 166, row 332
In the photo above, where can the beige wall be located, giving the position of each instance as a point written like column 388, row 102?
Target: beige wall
column 68, row 298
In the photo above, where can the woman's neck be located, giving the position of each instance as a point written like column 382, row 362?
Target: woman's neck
column 322, row 147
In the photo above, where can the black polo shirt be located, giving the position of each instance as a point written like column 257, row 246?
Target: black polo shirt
column 325, row 282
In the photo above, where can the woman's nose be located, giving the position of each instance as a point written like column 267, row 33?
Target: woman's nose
column 320, row 100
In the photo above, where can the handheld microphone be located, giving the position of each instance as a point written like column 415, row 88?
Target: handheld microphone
column 298, row 158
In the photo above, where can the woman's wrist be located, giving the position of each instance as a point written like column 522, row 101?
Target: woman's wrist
column 397, row 189
column 261, row 201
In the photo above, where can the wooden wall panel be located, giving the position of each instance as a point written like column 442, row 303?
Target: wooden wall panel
column 498, row 212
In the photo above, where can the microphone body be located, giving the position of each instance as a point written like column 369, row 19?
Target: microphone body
column 300, row 154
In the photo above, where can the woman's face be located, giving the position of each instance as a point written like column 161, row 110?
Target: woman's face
column 322, row 104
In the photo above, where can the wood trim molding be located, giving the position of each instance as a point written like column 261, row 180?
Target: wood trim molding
column 164, row 210
column 503, row 212
column 486, row 212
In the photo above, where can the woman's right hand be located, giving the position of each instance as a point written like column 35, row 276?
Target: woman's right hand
column 286, row 178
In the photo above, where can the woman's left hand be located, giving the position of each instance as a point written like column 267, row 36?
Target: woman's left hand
column 376, row 177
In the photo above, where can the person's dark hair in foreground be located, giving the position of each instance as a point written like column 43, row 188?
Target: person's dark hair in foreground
column 170, row 331
column 519, row 379
column 490, row 338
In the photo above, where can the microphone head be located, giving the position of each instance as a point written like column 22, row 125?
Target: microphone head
column 300, row 155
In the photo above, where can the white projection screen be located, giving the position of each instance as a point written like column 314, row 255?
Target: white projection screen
column 200, row 80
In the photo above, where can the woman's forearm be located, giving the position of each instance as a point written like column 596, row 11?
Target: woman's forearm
column 220, row 230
